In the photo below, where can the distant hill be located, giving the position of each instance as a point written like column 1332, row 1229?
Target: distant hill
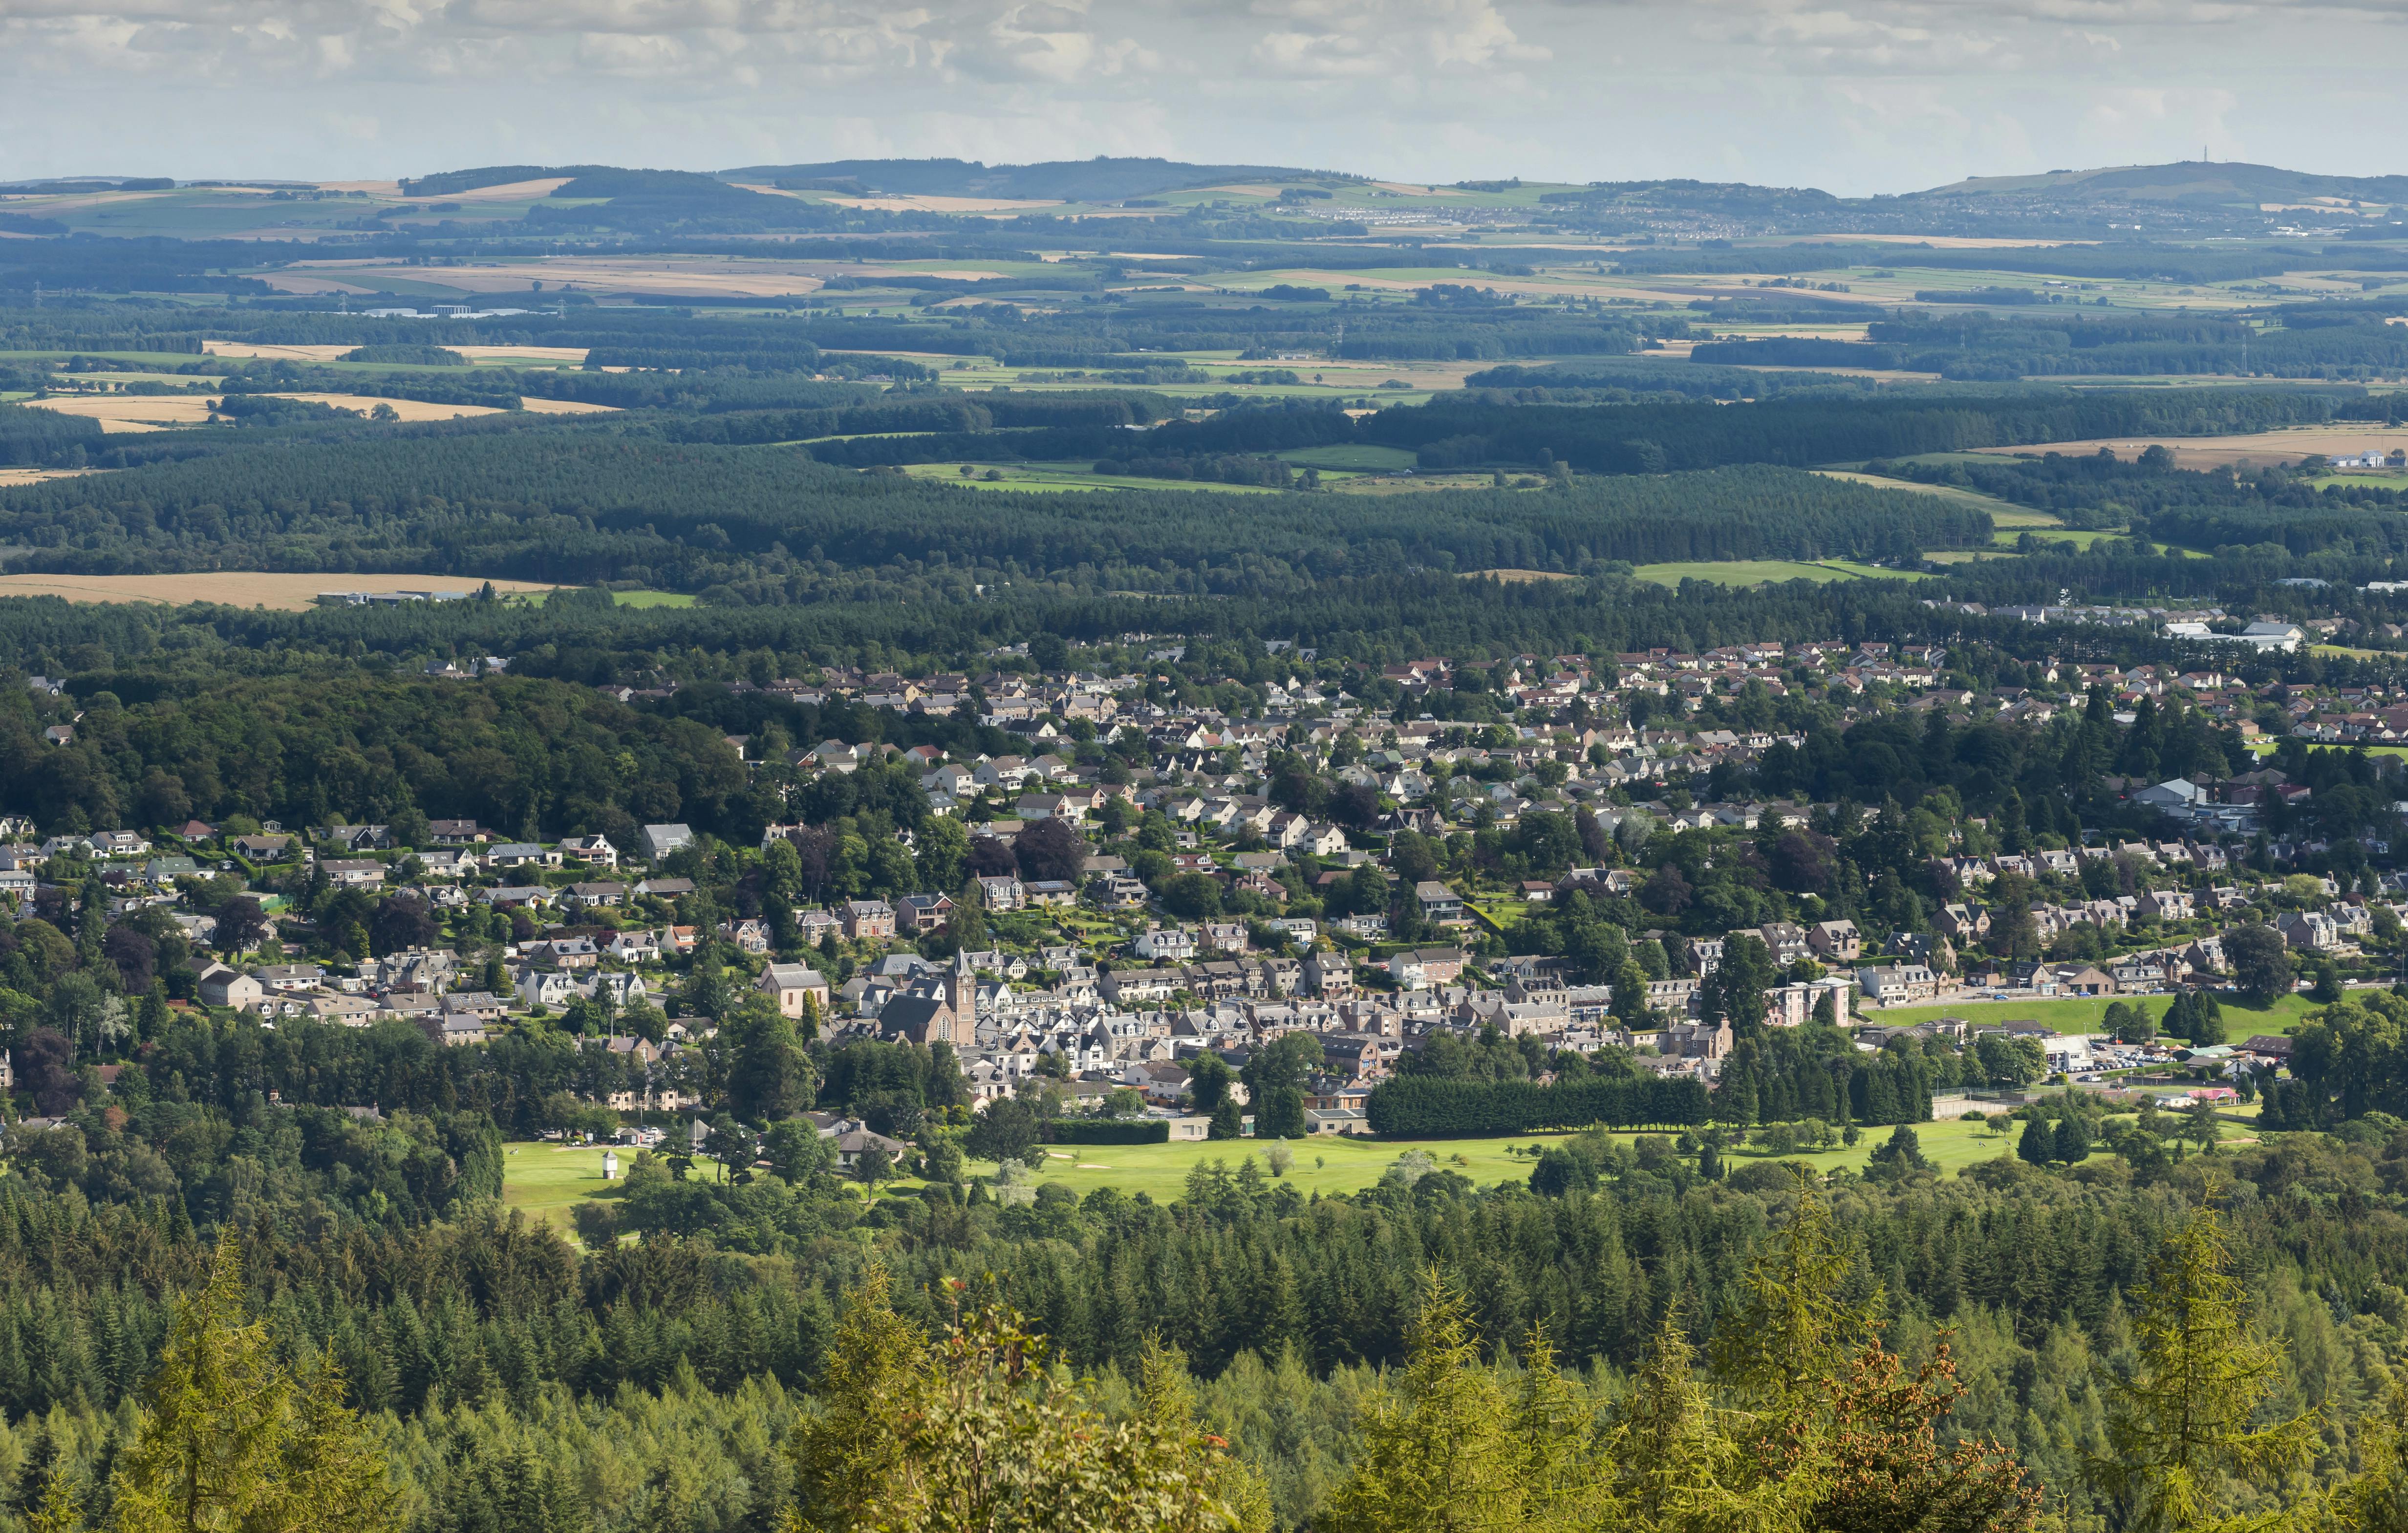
column 2194, row 181
column 1100, row 180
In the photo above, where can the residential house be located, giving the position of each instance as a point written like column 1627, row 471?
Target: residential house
column 1419, row 968
column 221, row 986
column 1438, row 902
column 658, row 841
column 1886, row 984
column 791, row 984
column 1837, row 941
column 2311, row 931
column 594, row 851
column 869, row 920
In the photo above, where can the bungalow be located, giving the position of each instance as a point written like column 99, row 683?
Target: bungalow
column 354, row 873
column 522, row 854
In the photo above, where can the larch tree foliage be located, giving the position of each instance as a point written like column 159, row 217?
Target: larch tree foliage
column 977, row 1431
column 1459, row 1451
column 228, row 1438
column 1835, row 1434
column 2186, row 1422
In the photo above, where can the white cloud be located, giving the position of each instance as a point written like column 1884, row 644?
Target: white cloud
column 1850, row 94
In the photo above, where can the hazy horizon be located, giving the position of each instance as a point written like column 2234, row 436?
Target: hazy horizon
column 1856, row 97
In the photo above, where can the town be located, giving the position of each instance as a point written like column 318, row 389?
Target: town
column 1172, row 870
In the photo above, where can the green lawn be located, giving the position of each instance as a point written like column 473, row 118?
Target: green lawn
column 2084, row 1016
column 548, row 1179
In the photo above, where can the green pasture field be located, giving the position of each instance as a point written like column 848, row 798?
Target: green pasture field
column 2087, row 1015
column 136, row 361
column 1767, row 571
column 1761, row 571
column 1362, row 457
column 1063, row 476
column 2004, row 513
column 2079, row 536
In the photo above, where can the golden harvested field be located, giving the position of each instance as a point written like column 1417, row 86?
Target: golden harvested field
column 901, row 203
column 38, row 476
column 158, row 412
column 281, row 591
column 274, row 354
column 507, row 192
column 2257, row 450
column 564, row 407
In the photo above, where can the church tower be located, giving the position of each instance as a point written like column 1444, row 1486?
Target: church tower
column 961, row 1001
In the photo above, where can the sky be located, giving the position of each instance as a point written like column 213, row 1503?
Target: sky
column 1855, row 96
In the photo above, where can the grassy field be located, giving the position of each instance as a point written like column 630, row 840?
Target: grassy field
column 2004, row 513
column 1350, row 1164
column 1361, row 456
column 1765, row 571
column 548, row 1181
column 2082, row 1016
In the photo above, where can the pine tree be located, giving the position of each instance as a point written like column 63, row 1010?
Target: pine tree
column 2183, row 1421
